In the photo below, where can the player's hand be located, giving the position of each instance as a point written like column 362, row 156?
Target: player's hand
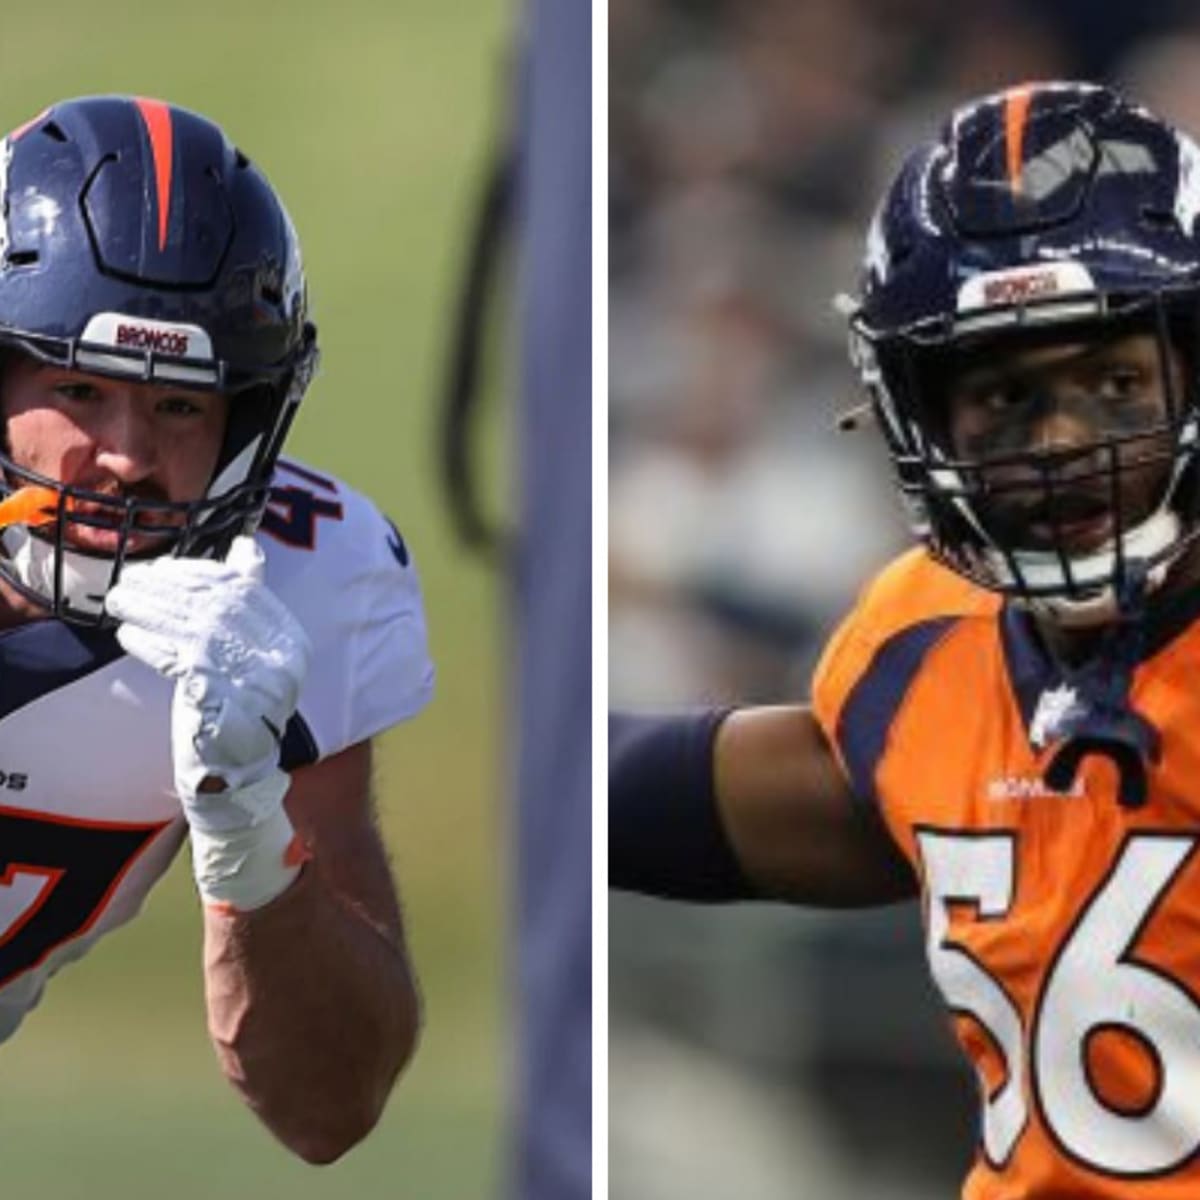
column 238, row 658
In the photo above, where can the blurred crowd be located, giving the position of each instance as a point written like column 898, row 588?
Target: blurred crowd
column 749, row 143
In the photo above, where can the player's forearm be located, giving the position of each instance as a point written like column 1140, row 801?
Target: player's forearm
column 790, row 818
column 312, row 1011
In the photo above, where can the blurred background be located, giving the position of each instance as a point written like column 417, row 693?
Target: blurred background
column 762, row 1051
column 374, row 120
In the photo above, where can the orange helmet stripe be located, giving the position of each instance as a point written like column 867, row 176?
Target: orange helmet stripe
column 27, row 126
column 1016, row 114
column 158, row 124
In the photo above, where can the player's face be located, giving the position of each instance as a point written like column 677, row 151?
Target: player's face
column 115, row 437
column 1045, row 414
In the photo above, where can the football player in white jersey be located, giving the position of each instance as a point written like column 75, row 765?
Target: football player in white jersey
column 215, row 634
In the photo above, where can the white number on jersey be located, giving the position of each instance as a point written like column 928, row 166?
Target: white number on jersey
column 1095, row 984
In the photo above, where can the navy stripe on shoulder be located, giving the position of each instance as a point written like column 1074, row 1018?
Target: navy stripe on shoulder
column 299, row 747
column 44, row 655
column 867, row 715
column 1030, row 669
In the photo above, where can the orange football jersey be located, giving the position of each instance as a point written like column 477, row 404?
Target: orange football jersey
column 1062, row 928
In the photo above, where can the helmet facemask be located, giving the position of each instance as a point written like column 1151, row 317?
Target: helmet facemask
column 1011, row 518
column 1046, row 212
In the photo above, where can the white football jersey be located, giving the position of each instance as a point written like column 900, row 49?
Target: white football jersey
column 89, row 819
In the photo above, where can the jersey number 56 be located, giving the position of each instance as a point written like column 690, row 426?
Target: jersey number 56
column 1095, row 984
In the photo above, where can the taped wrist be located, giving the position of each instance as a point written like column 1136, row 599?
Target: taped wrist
column 665, row 834
column 247, row 867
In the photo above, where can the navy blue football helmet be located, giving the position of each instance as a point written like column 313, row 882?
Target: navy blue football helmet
column 1046, row 211
column 137, row 241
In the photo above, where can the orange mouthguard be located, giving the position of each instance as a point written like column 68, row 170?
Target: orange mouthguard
column 30, row 505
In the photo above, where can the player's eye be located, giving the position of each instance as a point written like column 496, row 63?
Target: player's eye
column 77, row 392
column 178, row 406
column 1002, row 397
column 1122, row 382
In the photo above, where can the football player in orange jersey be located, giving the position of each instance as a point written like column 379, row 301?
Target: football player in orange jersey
column 1007, row 722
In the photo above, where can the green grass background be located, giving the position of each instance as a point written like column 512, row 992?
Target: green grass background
column 372, row 118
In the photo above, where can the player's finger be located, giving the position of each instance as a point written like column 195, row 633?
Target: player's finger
column 246, row 558
column 161, row 605
column 154, row 649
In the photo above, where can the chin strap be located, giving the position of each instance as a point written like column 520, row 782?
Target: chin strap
column 1102, row 721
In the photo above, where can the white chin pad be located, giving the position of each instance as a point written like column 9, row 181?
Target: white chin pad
column 1092, row 573
column 85, row 579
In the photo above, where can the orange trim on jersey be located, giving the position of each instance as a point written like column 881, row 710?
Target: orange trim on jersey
column 1016, row 116
column 157, row 117
column 50, row 877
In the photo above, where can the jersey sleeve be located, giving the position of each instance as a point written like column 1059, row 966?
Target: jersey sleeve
column 349, row 579
column 873, row 657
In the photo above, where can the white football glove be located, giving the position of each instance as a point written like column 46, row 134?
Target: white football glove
column 238, row 658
